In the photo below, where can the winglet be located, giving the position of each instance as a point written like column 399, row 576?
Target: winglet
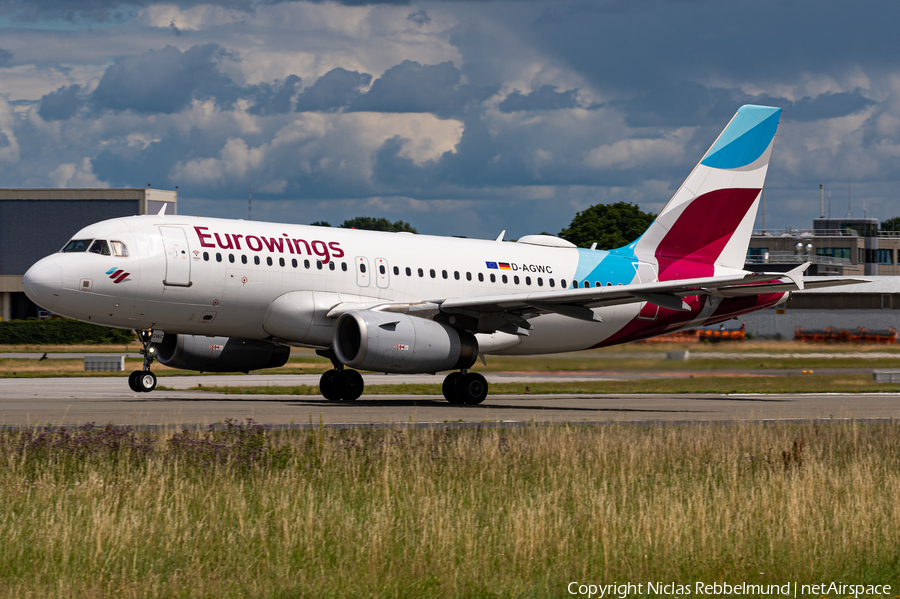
column 502, row 233
column 796, row 274
column 162, row 211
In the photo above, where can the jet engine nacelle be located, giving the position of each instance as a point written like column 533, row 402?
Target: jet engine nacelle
column 219, row 354
column 389, row 342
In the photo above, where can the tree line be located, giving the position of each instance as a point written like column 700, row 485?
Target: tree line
column 608, row 225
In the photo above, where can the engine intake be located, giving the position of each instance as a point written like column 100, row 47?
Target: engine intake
column 219, row 354
column 389, row 342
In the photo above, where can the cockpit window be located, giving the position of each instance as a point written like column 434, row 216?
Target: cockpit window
column 100, row 247
column 77, row 245
column 119, row 249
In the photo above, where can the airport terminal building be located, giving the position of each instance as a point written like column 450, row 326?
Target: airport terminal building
column 37, row 222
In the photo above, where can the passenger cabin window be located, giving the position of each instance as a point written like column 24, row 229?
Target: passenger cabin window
column 218, row 257
column 408, row 271
column 206, row 256
column 481, row 277
column 77, row 245
column 331, row 265
column 119, row 249
column 243, row 259
column 396, row 270
column 281, row 262
column 269, row 260
column 256, row 260
column 100, row 247
column 231, row 258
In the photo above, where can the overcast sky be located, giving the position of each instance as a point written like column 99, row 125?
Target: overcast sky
column 462, row 118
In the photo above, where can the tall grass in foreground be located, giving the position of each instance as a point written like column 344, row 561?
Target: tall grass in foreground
column 245, row 512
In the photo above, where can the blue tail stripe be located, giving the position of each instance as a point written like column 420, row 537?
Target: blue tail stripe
column 111, row 270
column 745, row 139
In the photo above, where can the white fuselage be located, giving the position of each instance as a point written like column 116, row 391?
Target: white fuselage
column 217, row 277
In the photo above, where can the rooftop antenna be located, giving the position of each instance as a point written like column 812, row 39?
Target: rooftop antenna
column 821, row 201
column 849, row 214
column 764, row 206
column 250, row 205
column 829, row 202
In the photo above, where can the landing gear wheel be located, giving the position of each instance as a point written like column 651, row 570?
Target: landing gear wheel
column 146, row 381
column 132, row 381
column 471, row 388
column 329, row 387
column 351, row 385
column 449, row 387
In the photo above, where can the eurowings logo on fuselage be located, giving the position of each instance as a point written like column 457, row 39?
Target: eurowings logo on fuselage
column 118, row 275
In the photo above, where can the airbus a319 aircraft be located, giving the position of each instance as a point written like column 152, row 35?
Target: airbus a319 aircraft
column 221, row 295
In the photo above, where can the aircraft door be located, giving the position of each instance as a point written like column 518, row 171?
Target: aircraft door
column 362, row 271
column 382, row 273
column 178, row 257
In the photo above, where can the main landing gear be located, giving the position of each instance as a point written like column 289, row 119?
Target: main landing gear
column 465, row 388
column 340, row 383
column 144, row 381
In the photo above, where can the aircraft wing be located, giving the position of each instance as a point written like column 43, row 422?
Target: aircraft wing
column 514, row 308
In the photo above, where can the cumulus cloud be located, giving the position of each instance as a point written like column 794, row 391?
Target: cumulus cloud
column 165, row 81
column 62, row 104
column 412, row 87
column 9, row 144
column 544, row 98
column 386, row 106
column 91, row 10
column 273, row 98
column 334, row 90
column 75, row 175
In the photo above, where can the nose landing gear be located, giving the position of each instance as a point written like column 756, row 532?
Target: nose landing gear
column 144, row 381
column 465, row 388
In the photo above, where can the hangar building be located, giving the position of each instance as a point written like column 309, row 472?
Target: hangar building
column 37, row 222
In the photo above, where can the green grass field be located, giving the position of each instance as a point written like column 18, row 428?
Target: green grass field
column 104, row 513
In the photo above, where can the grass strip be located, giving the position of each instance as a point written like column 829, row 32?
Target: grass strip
column 697, row 384
column 241, row 511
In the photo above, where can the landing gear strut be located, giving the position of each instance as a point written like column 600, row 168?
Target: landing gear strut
column 144, row 381
column 465, row 388
column 340, row 383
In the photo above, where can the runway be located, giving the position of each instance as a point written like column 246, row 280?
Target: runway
column 67, row 401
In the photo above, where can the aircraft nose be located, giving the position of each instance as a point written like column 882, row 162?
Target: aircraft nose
column 43, row 283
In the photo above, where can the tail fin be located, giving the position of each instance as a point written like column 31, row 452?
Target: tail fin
column 707, row 224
